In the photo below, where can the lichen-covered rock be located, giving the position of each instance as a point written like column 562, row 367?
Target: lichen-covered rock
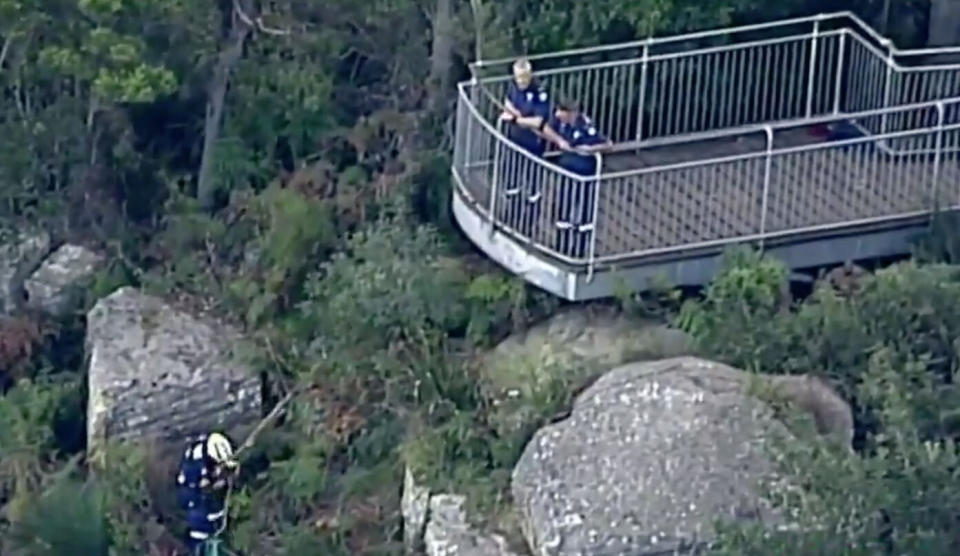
column 437, row 525
column 414, row 507
column 20, row 254
column 159, row 373
column 565, row 352
column 595, row 336
column 650, row 456
column 831, row 414
column 57, row 286
column 448, row 532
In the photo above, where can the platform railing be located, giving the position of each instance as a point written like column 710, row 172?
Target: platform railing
column 537, row 202
column 663, row 92
column 753, row 196
column 668, row 88
column 711, row 202
column 764, row 79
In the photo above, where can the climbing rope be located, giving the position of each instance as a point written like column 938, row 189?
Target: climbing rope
column 212, row 546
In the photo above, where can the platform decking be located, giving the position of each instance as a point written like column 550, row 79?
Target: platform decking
column 702, row 203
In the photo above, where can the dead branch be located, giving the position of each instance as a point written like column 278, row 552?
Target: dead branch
column 5, row 49
column 256, row 23
column 271, row 418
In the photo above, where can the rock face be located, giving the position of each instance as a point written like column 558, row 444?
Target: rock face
column 449, row 534
column 650, row 456
column 20, row 253
column 159, row 373
column 414, row 507
column 831, row 414
column 570, row 348
column 57, row 286
column 436, row 524
column 598, row 336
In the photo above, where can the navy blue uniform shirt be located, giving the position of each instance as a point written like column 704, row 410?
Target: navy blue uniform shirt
column 532, row 101
column 197, row 478
column 579, row 133
column 198, row 492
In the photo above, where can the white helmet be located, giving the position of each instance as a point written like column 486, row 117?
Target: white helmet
column 220, row 450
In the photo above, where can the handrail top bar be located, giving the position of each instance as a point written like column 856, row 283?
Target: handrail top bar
column 659, row 57
column 661, row 40
column 892, row 50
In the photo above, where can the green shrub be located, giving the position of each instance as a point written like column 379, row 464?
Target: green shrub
column 64, row 520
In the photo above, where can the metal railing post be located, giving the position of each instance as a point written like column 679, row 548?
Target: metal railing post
column 592, row 256
column 812, row 72
column 473, row 97
column 887, row 86
column 644, row 66
column 768, row 166
column 837, row 85
column 494, row 183
column 938, row 150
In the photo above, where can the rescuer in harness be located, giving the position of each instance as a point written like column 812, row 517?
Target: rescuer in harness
column 575, row 206
column 202, row 486
column 526, row 111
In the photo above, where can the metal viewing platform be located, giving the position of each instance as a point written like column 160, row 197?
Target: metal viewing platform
column 814, row 138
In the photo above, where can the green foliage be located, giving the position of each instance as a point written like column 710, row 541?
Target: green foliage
column 391, row 283
column 660, row 300
column 939, row 243
column 27, row 441
column 128, row 501
column 499, row 303
column 895, row 498
column 65, row 519
column 297, row 227
column 891, row 349
column 336, row 251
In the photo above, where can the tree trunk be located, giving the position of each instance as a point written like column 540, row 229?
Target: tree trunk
column 478, row 21
column 883, row 22
column 226, row 62
column 441, row 55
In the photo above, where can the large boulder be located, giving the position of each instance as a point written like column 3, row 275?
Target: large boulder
column 20, row 254
column 56, row 287
column 156, row 372
column 565, row 352
column 650, row 456
column 596, row 336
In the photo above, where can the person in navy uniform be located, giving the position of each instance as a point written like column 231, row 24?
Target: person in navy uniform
column 202, row 485
column 576, row 200
column 526, row 112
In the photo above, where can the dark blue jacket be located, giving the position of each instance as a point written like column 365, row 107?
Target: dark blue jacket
column 580, row 133
column 200, row 491
column 532, row 101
